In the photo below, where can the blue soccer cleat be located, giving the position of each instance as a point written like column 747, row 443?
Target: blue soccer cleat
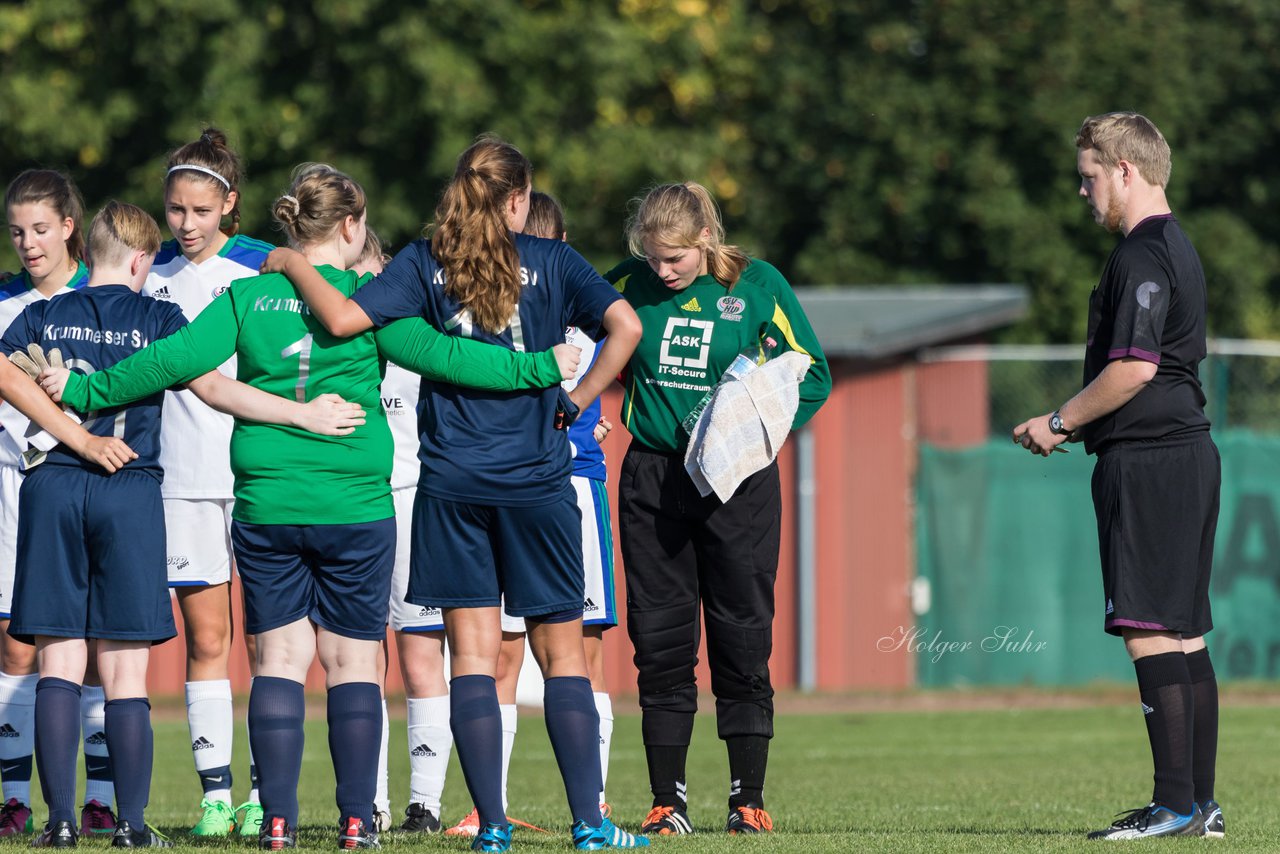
column 493, row 837
column 1153, row 820
column 607, row 835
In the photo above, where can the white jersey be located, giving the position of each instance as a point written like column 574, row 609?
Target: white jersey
column 15, row 295
column 400, row 400
column 195, row 440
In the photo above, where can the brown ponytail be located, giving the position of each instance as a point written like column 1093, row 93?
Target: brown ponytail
column 471, row 237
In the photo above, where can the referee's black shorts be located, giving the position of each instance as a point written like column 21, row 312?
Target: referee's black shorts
column 1157, row 509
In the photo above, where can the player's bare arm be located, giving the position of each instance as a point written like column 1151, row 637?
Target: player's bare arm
column 1119, row 382
column 340, row 315
column 623, row 329
column 327, row 415
column 25, row 396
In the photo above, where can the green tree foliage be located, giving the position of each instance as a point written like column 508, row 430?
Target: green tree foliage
column 849, row 142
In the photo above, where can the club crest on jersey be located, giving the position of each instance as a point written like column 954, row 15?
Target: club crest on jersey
column 731, row 308
column 219, row 291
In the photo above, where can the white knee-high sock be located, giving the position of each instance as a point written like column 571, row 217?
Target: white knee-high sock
column 604, row 707
column 430, row 743
column 97, row 763
column 381, row 798
column 508, row 741
column 17, row 734
column 211, row 722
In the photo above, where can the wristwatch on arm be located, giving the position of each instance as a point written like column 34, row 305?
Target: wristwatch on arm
column 1055, row 425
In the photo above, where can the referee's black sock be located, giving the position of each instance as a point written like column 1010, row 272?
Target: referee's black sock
column 1204, row 745
column 748, row 758
column 666, row 774
column 1164, row 684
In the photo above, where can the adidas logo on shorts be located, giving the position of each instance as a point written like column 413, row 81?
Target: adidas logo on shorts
column 98, row 737
column 588, row 605
column 201, row 743
column 7, row 731
column 422, row 750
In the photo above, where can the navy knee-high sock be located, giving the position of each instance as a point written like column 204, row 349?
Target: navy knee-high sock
column 574, row 727
column 355, row 736
column 277, row 709
column 476, row 722
column 57, row 743
column 130, row 745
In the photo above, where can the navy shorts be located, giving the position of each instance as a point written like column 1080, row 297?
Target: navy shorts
column 91, row 557
column 1157, row 509
column 472, row 555
column 338, row 576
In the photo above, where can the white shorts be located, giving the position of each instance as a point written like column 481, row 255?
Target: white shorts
column 405, row 616
column 600, row 607
column 10, row 483
column 198, row 535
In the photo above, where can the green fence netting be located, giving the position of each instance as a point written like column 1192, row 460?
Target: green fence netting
column 1008, row 560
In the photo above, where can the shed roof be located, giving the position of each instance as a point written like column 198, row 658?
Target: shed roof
column 874, row 322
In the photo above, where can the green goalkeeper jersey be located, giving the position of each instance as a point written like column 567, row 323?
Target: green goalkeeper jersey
column 284, row 475
column 691, row 336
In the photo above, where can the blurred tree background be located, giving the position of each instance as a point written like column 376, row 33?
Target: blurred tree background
column 865, row 141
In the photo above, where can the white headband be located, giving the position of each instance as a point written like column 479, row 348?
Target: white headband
column 208, row 172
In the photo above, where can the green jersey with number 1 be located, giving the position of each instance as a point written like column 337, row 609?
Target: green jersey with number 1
column 284, row 475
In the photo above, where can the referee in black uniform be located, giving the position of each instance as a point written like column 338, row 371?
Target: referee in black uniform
column 1157, row 477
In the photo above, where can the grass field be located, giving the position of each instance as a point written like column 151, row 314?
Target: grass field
column 951, row 781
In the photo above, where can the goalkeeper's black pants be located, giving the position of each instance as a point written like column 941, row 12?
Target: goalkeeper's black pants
column 681, row 551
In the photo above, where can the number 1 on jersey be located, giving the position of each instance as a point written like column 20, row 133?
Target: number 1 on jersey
column 302, row 349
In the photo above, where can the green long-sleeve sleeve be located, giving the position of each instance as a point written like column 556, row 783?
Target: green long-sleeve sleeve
column 417, row 346
column 796, row 329
column 192, row 351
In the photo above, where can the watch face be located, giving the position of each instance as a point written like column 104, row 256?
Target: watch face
column 1055, row 423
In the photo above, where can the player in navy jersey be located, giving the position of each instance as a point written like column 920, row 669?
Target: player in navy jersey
column 43, row 210
column 1158, row 475
column 90, row 559
column 495, row 513
column 546, row 219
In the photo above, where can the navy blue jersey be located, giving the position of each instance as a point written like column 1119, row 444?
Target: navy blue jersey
column 493, row 447
column 95, row 328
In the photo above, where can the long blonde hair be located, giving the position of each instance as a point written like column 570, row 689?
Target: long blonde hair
column 471, row 237
column 676, row 215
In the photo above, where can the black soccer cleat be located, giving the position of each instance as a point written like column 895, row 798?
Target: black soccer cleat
column 276, row 834
column 1214, row 826
column 126, row 836
column 666, row 821
column 353, row 834
column 419, row 819
column 748, row 819
column 60, row 834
